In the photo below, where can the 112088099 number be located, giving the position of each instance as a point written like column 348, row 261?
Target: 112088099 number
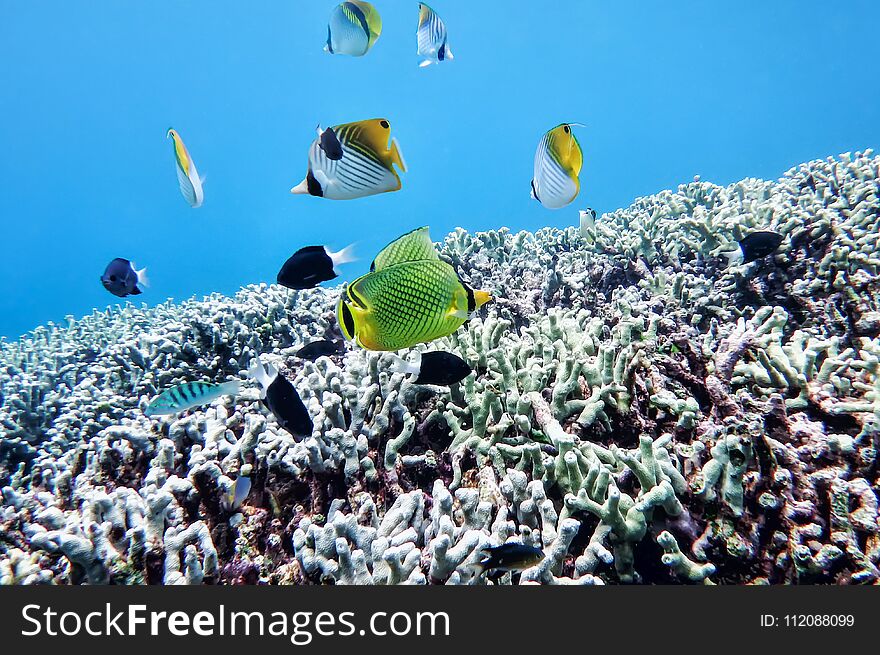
column 818, row 620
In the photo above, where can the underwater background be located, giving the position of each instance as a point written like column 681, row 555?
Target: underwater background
column 680, row 385
column 667, row 91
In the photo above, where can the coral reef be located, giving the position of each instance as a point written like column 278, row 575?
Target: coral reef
column 640, row 409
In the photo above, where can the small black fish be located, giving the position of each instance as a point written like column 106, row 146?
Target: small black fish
column 510, row 557
column 811, row 182
column 759, row 244
column 329, row 143
column 310, row 266
column 322, row 348
column 281, row 398
column 121, row 279
column 436, row 367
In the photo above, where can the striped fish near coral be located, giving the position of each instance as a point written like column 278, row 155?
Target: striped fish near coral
column 187, row 176
column 405, row 301
column 353, row 160
column 558, row 162
column 188, row 395
column 432, row 37
column 353, row 29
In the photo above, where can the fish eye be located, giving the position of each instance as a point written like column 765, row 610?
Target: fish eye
column 566, row 128
column 113, row 278
column 384, row 124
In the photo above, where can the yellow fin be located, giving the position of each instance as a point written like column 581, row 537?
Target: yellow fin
column 412, row 246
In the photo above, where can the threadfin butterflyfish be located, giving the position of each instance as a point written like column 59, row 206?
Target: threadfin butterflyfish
column 436, row 367
column 432, row 37
column 353, row 160
column 353, row 28
column 311, row 265
column 188, row 395
column 405, row 301
column 558, row 162
column 121, row 278
column 187, row 175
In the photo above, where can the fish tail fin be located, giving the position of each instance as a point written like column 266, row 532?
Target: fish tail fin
column 230, row 388
column 257, row 372
column 397, row 155
column 344, row 256
column 143, row 280
column 400, row 365
column 534, row 193
column 734, row 257
column 425, row 63
column 482, row 297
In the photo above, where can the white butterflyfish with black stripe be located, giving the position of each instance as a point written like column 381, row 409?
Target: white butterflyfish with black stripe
column 432, row 37
column 558, row 163
column 353, row 160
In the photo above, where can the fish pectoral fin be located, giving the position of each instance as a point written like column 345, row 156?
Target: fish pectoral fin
column 397, row 156
column 458, row 313
column 322, row 178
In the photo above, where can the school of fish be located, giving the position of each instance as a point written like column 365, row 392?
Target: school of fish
column 410, row 296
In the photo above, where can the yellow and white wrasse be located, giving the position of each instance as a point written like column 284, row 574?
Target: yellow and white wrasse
column 187, row 175
column 353, row 28
column 558, row 163
column 353, row 160
column 432, row 37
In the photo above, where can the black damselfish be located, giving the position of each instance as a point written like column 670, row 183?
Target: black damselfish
column 310, row 266
column 436, row 367
column 121, row 279
column 759, row 244
column 281, row 398
column 510, row 557
column 322, row 348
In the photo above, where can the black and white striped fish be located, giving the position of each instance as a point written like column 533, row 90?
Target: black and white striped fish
column 353, row 160
column 188, row 395
column 432, row 37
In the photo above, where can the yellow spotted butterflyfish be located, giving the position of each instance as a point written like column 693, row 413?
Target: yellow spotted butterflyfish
column 410, row 296
column 558, row 163
column 353, row 160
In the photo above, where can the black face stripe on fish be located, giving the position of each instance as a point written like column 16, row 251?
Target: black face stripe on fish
column 359, row 15
column 348, row 321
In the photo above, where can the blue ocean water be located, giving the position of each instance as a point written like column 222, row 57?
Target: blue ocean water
column 667, row 90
